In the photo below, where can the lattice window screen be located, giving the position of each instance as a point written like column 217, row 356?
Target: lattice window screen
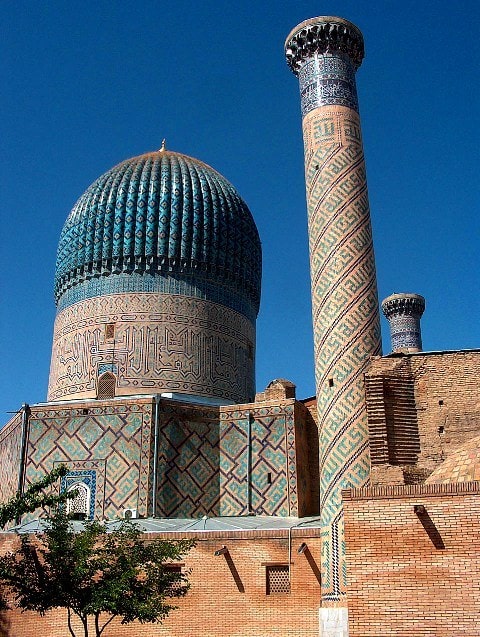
column 278, row 579
column 81, row 502
column 106, row 385
column 173, row 568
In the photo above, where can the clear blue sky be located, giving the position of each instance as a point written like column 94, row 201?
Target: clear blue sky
column 86, row 85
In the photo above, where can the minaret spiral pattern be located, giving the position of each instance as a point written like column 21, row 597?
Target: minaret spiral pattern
column 325, row 53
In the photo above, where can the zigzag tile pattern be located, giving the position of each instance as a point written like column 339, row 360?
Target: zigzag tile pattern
column 345, row 316
column 10, row 452
column 203, row 462
column 112, row 440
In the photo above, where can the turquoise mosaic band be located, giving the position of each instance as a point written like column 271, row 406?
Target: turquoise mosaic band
column 197, row 286
column 327, row 79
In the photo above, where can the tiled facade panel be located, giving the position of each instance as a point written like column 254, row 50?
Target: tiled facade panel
column 161, row 343
column 110, row 439
column 273, row 489
column 10, row 452
column 414, row 574
column 228, row 593
column 204, row 466
column 188, row 483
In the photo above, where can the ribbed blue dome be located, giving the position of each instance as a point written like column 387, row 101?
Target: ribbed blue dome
column 161, row 212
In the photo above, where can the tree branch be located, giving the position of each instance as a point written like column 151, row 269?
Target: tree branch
column 69, row 615
column 106, row 624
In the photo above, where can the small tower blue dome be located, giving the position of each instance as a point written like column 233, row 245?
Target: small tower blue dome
column 161, row 213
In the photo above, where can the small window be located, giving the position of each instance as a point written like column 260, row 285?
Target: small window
column 106, row 386
column 109, row 331
column 330, row 382
column 79, row 506
column 175, row 571
column 278, row 579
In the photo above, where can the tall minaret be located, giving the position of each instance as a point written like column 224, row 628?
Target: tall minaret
column 325, row 53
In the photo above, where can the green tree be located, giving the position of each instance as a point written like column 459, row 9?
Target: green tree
column 92, row 572
column 35, row 497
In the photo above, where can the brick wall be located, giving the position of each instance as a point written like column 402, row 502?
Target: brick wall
column 413, row 575
column 420, row 408
column 228, row 593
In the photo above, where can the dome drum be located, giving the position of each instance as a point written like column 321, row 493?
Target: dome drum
column 152, row 343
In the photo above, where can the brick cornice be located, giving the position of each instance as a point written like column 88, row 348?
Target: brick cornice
column 251, row 535
column 389, row 492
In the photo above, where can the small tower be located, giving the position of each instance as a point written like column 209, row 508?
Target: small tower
column 325, row 53
column 404, row 312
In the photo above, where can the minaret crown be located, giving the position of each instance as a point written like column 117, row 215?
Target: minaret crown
column 404, row 312
column 325, row 34
column 403, row 304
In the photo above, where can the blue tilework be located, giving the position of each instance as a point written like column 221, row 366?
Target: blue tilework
column 327, row 79
column 112, row 441
column 88, row 477
column 203, row 466
column 161, row 213
column 195, row 285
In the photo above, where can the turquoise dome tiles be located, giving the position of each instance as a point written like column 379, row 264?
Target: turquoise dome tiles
column 165, row 214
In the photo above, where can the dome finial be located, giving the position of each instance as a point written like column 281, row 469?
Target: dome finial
column 164, row 147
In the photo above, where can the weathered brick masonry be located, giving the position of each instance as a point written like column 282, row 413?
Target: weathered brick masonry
column 414, row 574
column 420, row 408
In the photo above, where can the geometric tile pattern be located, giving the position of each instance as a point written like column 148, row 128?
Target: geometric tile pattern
column 345, row 316
column 273, row 486
column 163, row 342
column 111, row 440
column 10, row 451
column 188, row 482
column 160, row 212
column 463, row 465
column 344, row 296
column 203, row 461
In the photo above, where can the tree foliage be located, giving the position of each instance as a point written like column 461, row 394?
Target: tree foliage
column 95, row 573
column 36, row 496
